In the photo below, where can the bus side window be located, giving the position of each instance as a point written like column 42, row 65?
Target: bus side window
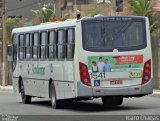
column 70, row 43
column 35, row 46
column 31, row 44
column 52, row 45
column 15, row 43
column 43, row 45
column 21, row 47
column 28, row 48
column 61, row 45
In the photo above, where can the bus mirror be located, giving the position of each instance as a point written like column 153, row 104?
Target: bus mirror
column 10, row 52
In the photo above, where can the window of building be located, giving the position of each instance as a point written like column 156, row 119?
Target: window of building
column 61, row 45
column 35, row 45
column 70, row 43
column 43, row 45
column 52, row 45
column 21, row 47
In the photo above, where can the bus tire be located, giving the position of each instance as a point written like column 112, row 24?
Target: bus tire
column 112, row 100
column 119, row 100
column 26, row 99
column 54, row 101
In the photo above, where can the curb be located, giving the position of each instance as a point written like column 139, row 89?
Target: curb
column 6, row 88
column 156, row 92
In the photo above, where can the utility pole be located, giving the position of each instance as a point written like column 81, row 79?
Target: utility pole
column 114, row 7
column 58, row 9
column 75, row 3
column 4, row 48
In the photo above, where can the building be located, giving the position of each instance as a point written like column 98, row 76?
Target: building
column 157, row 5
column 22, row 8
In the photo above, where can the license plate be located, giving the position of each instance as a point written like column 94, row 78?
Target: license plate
column 135, row 74
column 116, row 82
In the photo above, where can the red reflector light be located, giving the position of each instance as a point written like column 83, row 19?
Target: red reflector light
column 84, row 75
column 136, row 89
column 146, row 72
column 98, row 90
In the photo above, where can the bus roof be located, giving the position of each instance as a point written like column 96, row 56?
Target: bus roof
column 48, row 25
column 66, row 23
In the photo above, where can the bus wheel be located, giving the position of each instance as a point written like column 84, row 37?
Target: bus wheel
column 54, row 101
column 112, row 100
column 26, row 99
column 119, row 100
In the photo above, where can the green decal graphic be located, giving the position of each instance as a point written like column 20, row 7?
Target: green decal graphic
column 114, row 63
column 38, row 70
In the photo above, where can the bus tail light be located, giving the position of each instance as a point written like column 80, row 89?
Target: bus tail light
column 84, row 75
column 146, row 72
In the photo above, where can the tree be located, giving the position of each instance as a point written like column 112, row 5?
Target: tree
column 142, row 7
column 46, row 13
column 145, row 8
column 10, row 25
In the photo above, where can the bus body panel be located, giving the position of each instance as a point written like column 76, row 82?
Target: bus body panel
column 129, row 86
column 36, row 74
column 117, row 75
column 15, row 84
column 36, row 78
column 131, row 91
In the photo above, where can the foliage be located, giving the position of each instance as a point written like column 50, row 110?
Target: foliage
column 93, row 13
column 0, row 23
column 10, row 25
column 46, row 13
column 155, row 25
column 142, row 7
column 145, row 8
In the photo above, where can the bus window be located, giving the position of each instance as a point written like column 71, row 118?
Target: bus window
column 35, row 46
column 28, row 48
column 52, row 45
column 61, row 45
column 15, row 43
column 21, row 47
column 70, row 43
column 124, row 35
column 31, row 44
column 43, row 45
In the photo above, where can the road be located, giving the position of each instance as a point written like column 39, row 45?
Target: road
column 10, row 103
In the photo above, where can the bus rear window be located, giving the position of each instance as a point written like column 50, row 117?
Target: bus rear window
column 102, row 36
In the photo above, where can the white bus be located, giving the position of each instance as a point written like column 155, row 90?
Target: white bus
column 100, row 57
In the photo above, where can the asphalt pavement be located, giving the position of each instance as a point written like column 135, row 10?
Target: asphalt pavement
column 11, row 105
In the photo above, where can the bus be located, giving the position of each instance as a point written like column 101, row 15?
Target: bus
column 99, row 57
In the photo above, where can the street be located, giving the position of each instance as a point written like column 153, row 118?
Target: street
column 10, row 103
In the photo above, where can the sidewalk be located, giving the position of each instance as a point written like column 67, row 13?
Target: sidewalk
column 156, row 92
column 10, row 88
column 6, row 88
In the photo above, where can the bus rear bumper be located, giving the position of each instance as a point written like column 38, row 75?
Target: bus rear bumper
column 132, row 91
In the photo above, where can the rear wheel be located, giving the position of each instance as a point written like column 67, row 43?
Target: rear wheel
column 26, row 99
column 112, row 100
column 54, row 101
